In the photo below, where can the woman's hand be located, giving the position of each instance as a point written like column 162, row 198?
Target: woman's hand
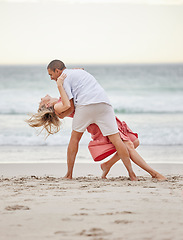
column 60, row 80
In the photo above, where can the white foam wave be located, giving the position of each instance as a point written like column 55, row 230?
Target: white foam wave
column 18, row 102
column 157, row 129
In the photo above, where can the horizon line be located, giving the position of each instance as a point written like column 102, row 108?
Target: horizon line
column 127, row 63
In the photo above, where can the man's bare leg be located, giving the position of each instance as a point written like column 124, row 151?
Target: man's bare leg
column 72, row 152
column 106, row 166
column 123, row 154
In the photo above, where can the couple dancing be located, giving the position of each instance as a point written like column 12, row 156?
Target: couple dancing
column 82, row 98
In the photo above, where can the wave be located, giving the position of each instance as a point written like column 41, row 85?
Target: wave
column 116, row 110
column 166, row 130
column 63, row 140
column 24, row 103
column 143, row 111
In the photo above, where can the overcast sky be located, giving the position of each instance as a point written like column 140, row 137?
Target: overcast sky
column 91, row 31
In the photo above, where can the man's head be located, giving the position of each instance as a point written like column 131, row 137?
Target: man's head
column 55, row 69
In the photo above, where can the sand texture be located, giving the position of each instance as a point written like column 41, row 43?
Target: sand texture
column 48, row 207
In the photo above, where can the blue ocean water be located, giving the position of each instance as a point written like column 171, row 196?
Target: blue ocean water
column 148, row 97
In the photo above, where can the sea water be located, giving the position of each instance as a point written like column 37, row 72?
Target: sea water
column 148, row 97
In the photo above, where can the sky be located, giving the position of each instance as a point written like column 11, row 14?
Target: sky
column 91, row 31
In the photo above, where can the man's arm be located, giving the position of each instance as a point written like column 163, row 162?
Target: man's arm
column 67, row 112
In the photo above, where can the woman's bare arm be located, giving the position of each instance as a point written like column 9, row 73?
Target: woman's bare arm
column 67, row 112
column 63, row 106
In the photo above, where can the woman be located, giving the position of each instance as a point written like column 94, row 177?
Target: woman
column 100, row 147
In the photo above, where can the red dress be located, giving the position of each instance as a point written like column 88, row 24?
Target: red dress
column 100, row 147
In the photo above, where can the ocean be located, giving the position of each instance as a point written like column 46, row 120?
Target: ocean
column 148, row 97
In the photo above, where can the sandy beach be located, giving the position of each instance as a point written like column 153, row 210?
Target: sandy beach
column 36, row 203
column 134, row 51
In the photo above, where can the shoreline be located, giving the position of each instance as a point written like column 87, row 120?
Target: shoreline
column 58, row 154
column 81, row 169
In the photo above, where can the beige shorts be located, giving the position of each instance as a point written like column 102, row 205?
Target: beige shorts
column 101, row 114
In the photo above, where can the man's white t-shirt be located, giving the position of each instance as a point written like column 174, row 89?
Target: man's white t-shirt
column 83, row 88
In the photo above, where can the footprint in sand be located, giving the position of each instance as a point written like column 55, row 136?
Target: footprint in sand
column 16, row 207
column 80, row 214
column 63, row 233
column 92, row 209
column 125, row 212
column 94, row 232
column 122, row 221
column 66, row 219
column 114, row 213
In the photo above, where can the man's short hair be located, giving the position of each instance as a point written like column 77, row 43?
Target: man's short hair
column 56, row 64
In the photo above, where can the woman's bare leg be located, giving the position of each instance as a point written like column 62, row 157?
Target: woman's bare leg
column 135, row 157
column 106, row 166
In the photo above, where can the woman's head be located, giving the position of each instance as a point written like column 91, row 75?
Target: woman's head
column 47, row 101
column 45, row 117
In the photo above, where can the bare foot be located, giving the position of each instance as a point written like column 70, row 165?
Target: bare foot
column 133, row 176
column 105, row 170
column 159, row 177
column 67, row 177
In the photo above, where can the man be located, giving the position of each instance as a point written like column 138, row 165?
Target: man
column 91, row 105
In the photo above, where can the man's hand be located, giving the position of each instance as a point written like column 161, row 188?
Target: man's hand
column 79, row 68
column 60, row 80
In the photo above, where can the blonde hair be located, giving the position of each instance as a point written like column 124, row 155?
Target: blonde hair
column 47, row 118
